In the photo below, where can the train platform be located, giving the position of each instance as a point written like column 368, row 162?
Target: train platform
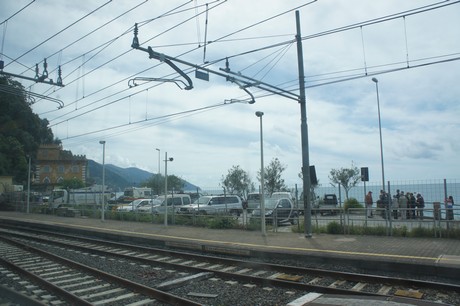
column 439, row 255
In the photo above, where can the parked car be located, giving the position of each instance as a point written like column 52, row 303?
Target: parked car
column 253, row 200
column 135, row 205
column 174, row 202
column 279, row 210
column 222, row 204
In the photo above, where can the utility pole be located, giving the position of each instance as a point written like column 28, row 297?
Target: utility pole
column 304, row 133
column 244, row 83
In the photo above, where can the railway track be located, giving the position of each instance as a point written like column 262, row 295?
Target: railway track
column 51, row 279
column 187, row 267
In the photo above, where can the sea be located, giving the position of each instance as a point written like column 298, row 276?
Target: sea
column 432, row 191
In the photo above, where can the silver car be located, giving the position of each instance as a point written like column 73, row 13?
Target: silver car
column 135, row 205
column 211, row 205
column 278, row 210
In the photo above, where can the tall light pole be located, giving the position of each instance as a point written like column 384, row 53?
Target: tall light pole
column 159, row 170
column 380, row 131
column 102, row 142
column 28, row 186
column 166, row 186
column 262, row 176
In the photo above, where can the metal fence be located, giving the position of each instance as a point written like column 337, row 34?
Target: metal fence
column 437, row 220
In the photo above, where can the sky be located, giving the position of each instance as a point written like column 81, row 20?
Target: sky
column 411, row 47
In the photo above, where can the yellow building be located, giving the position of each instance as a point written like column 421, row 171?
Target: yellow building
column 54, row 165
column 6, row 184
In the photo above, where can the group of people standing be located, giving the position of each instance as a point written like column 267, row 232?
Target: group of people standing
column 403, row 205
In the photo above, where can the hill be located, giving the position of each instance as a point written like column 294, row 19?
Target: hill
column 120, row 178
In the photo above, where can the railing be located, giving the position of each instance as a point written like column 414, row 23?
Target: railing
column 437, row 220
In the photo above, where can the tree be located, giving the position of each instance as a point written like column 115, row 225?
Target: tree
column 346, row 177
column 157, row 183
column 237, row 181
column 272, row 174
column 21, row 131
column 73, row 183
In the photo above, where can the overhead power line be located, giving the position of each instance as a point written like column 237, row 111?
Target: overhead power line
column 60, row 31
column 290, row 41
column 20, row 10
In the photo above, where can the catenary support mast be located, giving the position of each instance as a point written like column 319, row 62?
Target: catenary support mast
column 304, row 133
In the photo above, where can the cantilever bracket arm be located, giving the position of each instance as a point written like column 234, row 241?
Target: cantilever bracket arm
column 161, row 57
column 243, row 87
column 132, row 82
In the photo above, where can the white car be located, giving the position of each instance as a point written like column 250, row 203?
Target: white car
column 135, row 205
column 209, row 205
column 174, row 201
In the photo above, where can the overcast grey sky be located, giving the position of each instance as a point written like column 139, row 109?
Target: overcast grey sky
column 204, row 129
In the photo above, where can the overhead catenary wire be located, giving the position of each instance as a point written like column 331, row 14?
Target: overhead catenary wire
column 305, row 38
column 60, row 31
column 110, row 41
column 106, row 44
column 186, row 20
column 17, row 12
column 92, row 32
column 148, row 122
column 124, row 79
column 250, row 26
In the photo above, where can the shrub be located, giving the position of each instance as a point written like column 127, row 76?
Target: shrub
column 254, row 224
column 400, row 231
column 352, row 203
column 334, row 228
column 222, row 223
column 421, row 232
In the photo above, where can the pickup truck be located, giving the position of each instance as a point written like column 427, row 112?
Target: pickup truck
column 328, row 205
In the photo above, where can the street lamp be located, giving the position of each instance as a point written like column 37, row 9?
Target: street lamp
column 380, row 131
column 262, row 177
column 166, row 186
column 102, row 142
column 158, row 160
column 28, row 186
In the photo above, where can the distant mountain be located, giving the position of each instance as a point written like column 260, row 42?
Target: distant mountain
column 120, row 178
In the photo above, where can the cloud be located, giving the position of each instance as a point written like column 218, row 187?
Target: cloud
column 205, row 133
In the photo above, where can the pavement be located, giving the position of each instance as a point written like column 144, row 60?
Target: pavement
column 440, row 252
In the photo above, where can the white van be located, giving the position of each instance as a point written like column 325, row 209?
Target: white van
column 174, row 201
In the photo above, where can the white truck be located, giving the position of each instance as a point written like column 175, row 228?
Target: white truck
column 90, row 196
column 133, row 193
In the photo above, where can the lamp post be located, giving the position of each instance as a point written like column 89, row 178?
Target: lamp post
column 159, row 170
column 262, row 177
column 166, row 186
column 380, row 131
column 102, row 142
column 28, row 186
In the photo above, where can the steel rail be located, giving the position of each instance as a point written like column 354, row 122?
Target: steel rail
column 357, row 277
column 147, row 291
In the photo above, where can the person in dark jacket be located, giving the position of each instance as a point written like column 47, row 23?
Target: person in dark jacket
column 411, row 204
column 420, row 204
